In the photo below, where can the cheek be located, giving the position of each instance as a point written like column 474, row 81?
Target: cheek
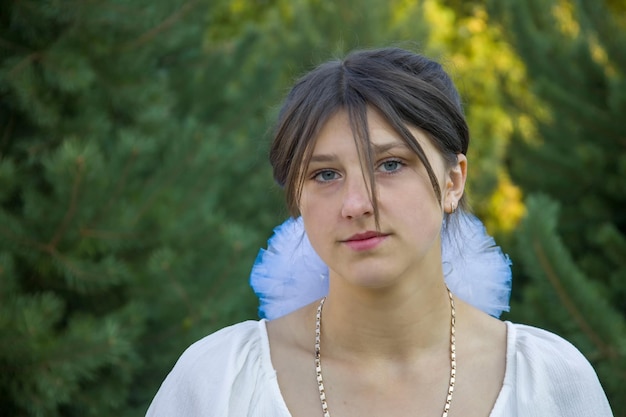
column 319, row 205
column 305, row 205
column 315, row 216
column 417, row 208
column 413, row 192
column 319, row 235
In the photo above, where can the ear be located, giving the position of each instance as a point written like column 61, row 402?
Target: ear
column 455, row 184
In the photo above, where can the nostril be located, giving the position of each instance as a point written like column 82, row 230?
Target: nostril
column 353, row 208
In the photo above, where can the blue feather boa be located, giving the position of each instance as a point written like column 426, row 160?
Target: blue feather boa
column 289, row 274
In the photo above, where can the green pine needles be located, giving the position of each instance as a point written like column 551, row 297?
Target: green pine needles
column 116, row 249
column 572, row 245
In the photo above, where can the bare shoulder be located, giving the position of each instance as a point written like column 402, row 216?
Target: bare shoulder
column 481, row 355
column 481, row 329
column 292, row 340
column 292, row 330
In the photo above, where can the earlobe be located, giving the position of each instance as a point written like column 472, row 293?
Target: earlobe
column 455, row 185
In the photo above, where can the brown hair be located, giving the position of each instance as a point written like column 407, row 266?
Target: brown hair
column 407, row 89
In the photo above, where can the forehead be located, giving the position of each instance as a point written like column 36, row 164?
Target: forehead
column 337, row 134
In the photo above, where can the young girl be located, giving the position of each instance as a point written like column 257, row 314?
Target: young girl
column 380, row 299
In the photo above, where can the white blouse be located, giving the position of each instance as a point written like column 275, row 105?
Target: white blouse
column 230, row 373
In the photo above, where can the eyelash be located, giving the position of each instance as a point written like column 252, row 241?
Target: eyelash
column 316, row 174
column 400, row 163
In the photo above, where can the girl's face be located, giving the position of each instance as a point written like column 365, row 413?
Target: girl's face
column 339, row 216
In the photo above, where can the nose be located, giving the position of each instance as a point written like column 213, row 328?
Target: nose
column 357, row 200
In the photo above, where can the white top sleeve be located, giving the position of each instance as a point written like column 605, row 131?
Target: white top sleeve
column 547, row 376
column 230, row 373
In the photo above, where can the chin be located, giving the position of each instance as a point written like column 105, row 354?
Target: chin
column 368, row 280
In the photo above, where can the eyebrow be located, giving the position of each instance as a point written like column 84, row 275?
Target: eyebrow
column 378, row 149
column 386, row 147
column 323, row 158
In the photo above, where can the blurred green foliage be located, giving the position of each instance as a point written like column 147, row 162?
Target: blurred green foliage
column 571, row 247
column 135, row 189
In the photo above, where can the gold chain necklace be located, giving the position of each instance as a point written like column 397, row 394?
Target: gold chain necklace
column 318, row 358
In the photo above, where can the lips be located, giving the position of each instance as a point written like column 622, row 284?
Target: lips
column 365, row 241
column 363, row 236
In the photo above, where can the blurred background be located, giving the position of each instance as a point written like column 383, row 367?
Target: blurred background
column 135, row 190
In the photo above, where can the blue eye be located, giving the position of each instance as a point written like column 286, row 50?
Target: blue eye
column 390, row 166
column 325, row 176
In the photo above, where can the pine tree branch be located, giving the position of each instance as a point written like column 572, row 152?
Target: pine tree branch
column 152, row 197
column 20, row 240
column 71, row 210
column 24, row 62
column 569, row 304
column 193, row 314
column 50, row 250
column 113, row 197
column 8, row 131
column 105, row 234
column 71, row 266
column 181, row 290
column 161, row 27
column 168, row 182
column 12, row 45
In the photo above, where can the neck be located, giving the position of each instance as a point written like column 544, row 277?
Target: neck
column 396, row 323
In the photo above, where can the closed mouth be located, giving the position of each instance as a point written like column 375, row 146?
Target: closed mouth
column 364, row 236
